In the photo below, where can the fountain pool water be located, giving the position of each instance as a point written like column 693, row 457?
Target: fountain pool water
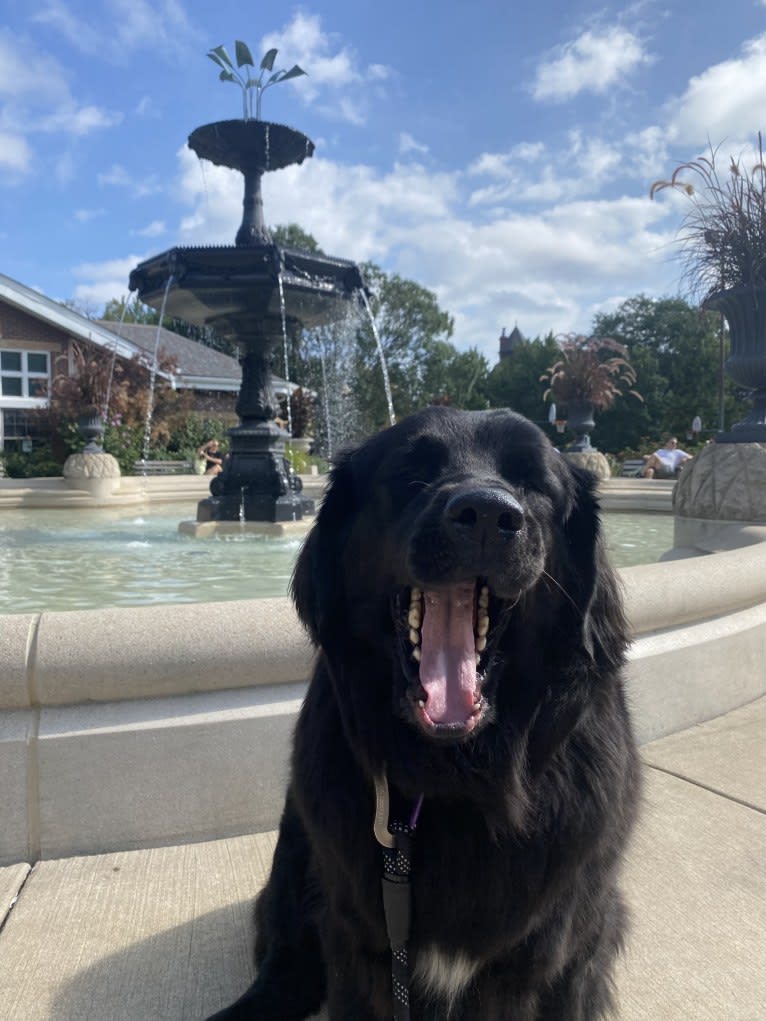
column 89, row 559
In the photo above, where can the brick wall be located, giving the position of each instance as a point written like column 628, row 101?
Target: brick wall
column 24, row 329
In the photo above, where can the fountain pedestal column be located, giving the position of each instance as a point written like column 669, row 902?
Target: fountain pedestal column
column 256, row 483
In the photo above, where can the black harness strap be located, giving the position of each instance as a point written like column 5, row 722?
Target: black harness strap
column 395, row 839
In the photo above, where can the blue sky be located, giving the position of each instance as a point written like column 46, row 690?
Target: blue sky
column 498, row 153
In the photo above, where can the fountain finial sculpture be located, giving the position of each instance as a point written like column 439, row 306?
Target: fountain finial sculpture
column 249, row 293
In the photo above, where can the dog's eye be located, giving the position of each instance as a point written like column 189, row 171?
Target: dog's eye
column 427, row 456
column 413, row 468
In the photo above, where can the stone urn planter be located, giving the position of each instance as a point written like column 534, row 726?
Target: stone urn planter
column 91, row 427
column 582, row 452
column 744, row 309
column 580, row 422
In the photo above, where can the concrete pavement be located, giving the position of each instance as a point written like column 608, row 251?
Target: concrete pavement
column 164, row 934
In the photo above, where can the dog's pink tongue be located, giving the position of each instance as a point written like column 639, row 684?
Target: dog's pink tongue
column 448, row 657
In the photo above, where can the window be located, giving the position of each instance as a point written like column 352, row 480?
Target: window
column 24, row 373
column 19, row 427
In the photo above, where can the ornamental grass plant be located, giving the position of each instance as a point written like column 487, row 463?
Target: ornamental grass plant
column 592, row 369
column 722, row 237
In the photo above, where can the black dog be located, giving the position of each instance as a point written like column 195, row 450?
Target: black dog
column 470, row 637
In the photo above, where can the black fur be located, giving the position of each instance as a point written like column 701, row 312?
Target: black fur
column 525, row 816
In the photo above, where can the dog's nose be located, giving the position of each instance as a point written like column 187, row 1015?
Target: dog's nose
column 486, row 512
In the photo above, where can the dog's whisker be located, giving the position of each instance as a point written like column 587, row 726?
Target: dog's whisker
column 562, row 590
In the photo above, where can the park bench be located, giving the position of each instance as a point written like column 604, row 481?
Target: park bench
column 632, row 468
column 163, row 468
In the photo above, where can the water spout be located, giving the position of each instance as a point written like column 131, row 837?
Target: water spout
column 381, row 356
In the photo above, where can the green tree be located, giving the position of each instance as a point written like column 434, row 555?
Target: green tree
column 411, row 327
column 127, row 310
column 457, row 378
column 292, row 235
column 515, row 381
column 131, row 310
column 423, row 366
column 674, row 349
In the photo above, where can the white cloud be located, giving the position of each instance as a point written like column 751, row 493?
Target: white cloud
column 596, row 61
column 723, row 102
column 118, row 177
column 64, row 167
column 530, row 173
column 15, row 154
column 104, row 280
column 152, row 230
column 18, row 71
column 123, row 25
column 78, row 121
column 86, row 215
column 408, row 144
column 146, row 107
column 330, row 68
column 80, row 32
column 32, row 102
column 549, row 269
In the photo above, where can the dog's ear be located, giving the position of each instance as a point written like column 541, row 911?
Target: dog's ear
column 317, row 586
column 589, row 578
column 589, row 632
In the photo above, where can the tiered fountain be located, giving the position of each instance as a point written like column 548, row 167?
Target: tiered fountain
column 250, row 293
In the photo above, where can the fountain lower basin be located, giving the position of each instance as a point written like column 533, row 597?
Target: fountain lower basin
column 138, row 727
column 91, row 559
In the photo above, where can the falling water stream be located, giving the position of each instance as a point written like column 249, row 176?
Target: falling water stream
column 326, row 403
column 283, row 311
column 153, row 373
column 381, row 356
column 108, row 397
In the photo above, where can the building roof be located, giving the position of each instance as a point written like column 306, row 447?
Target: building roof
column 198, row 367
column 66, row 319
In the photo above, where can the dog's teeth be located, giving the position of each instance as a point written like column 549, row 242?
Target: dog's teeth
column 481, row 643
column 421, row 703
column 414, row 617
column 414, row 636
column 415, row 596
column 482, row 624
column 416, row 654
column 478, row 658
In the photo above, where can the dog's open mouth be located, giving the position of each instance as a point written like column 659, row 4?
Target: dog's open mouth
column 447, row 635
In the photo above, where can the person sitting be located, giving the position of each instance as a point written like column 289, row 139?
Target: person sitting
column 213, row 456
column 666, row 462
